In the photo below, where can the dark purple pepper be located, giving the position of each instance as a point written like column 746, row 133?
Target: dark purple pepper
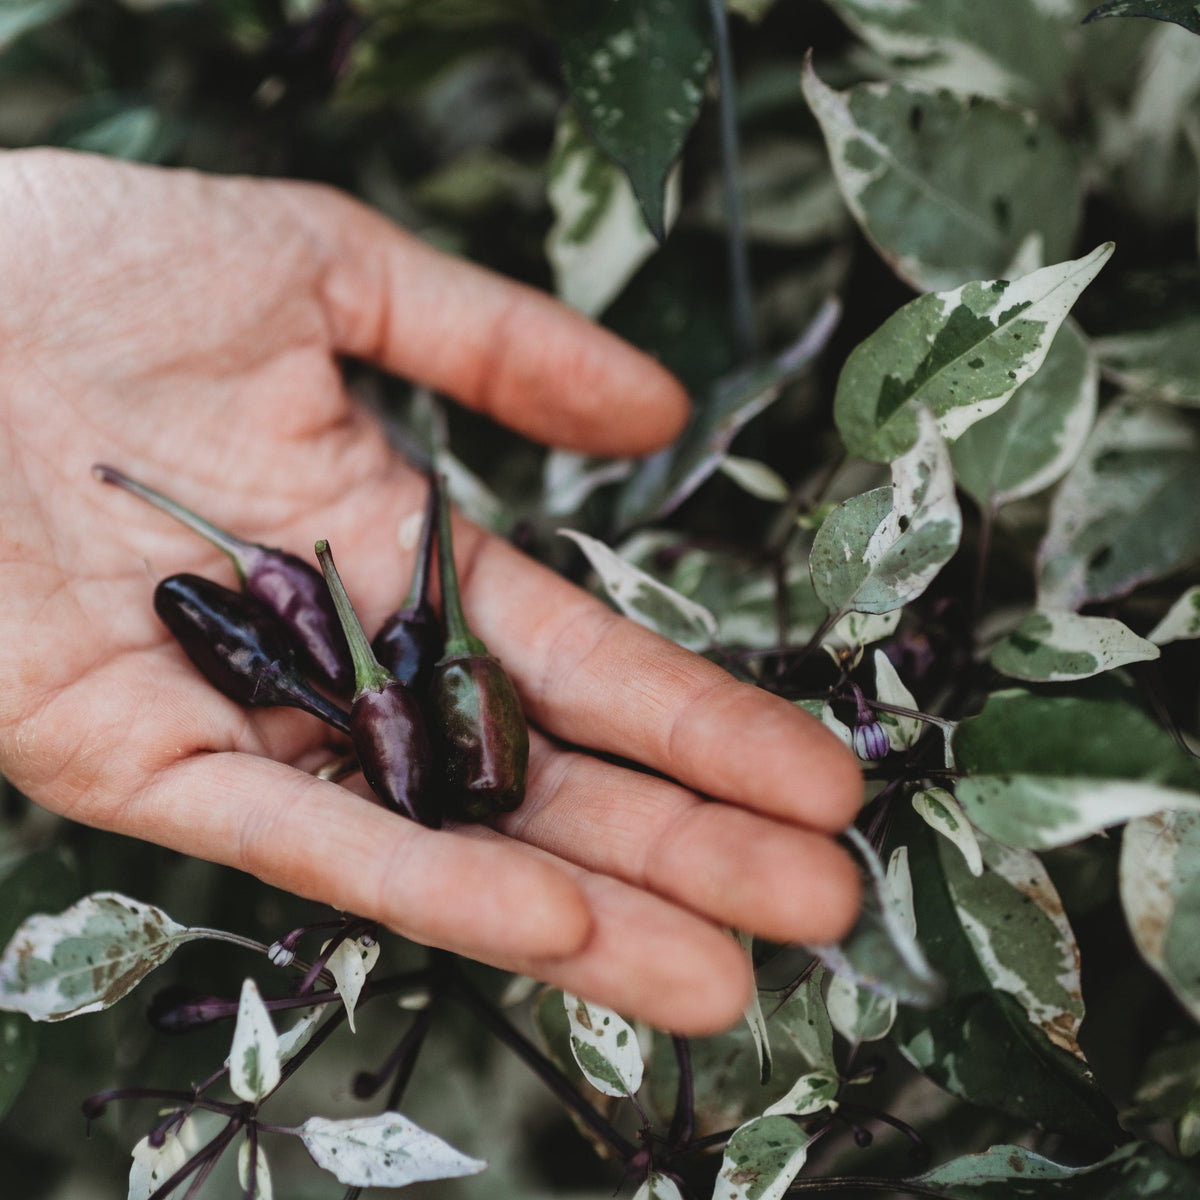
column 386, row 722
column 410, row 642
column 236, row 642
column 869, row 738
column 479, row 729
column 285, row 583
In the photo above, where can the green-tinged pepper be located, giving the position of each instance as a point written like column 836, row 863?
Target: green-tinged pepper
column 479, row 730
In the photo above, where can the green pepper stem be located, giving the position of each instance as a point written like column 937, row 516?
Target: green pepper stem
column 369, row 676
column 460, row 641
column 241, row 552
column 418, row 588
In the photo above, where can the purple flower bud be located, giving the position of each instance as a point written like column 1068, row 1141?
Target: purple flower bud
column 870, row 741
column 177, row 1008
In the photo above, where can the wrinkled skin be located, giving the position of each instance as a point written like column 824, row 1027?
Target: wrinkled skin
column 186, row 329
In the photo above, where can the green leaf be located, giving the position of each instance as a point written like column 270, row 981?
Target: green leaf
column 754, row 477
column 881, row 953
column 18, row 1053
column 1160, row 893
column 961, row 354
column 940, row 811
column 1045, row 771
column 86, row 958
column 941, row 214
column 605, row 1046
column 1181, row 12
column 1126, row 511
column 903, row 732
column 1014, row 48
column 1181, row 621
column 254, row 1060
column 979, row 1043
column 386, row 1150
column 1162, row 362
column 756, row 1022
column 804, row 1018
column 1054, row 647
column 1033, row 440
column 643, row 599
column 880, row 550
column 636, row 72
column 665, row 480
column 1136, row 1170
column 18, row 17
column 809, row 1094
column 598, row 239
column 761, row 1159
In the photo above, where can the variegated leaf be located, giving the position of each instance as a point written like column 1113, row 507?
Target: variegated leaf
column 1055, row 647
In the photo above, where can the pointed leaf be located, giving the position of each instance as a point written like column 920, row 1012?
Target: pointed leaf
column 598, row 239
column 262, row 1172
column 350, row 964
column 1162, row 362
column 152, row 1166
column 1181, row 12
column 754, row 477
column 636, row 72
column 387, row 1150
column 1054, row 647
column 755, row 1020
column 254, row 1064
column 86, row 958
column 1032, row 441
column 1182, row 620
column 644, row 600
column 664, row 480
column 293, row 1040
column 605, row 1046
column 880, row 550
column 903, row 732
column 961, row 354
column 761, row 1160
column 1160, row 892
column 658, row 1187
column 803, row 1017
column 809, row 1094
column 855, row 631
column 907, row 162
column 569, row 478
column 1139, row 472
column 940, row 811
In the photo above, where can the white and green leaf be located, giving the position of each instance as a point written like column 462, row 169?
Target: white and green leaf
column 755, row 478
column 569, row 478
column 152, row 1166
column 644, row 599
column 1160, row 893
column 1162, row 362
column 940, row 811
column 254, row 1059
column 262, row 1172
column 1138, row 472
column 605, row 1047
column 880, row 550
column 658, row 1187
column 906, row 159
column 761, row 1159
column 1056, row 647
column 86, row 958
column 350, row 964
column 903, row 732
column 386, row 1150
column 1182, row 620
column 755, row 1019
column 1031, row 441
column 809, row 1094
column 962, row 354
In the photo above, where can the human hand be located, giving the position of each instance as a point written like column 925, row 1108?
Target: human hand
column 186, row 329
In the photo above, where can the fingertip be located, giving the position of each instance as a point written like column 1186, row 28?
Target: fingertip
column 566, row 925
column 717, row 1000
column 832, row 775
column 833, row 897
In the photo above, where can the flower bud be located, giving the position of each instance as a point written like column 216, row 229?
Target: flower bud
column 870, row 741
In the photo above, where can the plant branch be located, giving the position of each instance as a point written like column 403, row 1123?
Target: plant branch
column 683, row 1121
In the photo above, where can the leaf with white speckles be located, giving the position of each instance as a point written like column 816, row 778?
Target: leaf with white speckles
column 605, row 1046
column 962, row 354
column 880, row 550
column 1160, row 893
column 1033, row 439
column 1181, row 621
column 86, row 958
column 940, row 811
column 350, row 964
column 761, row 1160
column 1056, row 647
column 598, row 239
column 152, row 1166
column 254, row 1062
column 1138, row 473
column 643, row 599
column 906, row 159
column 386, row 1150
column 636, row 72
column 809, row 1094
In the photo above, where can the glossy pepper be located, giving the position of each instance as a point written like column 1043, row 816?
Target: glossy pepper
column 285, row 583
column 386, row 722
column 236, row 642
column 478, row 727
column 410, row 642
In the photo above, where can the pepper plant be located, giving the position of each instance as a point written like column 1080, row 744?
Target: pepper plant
column 929, row 271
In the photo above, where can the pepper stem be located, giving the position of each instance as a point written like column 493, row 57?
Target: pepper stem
column 369, row 676
column 239, row 550
column 460, row 641
column 418, row 587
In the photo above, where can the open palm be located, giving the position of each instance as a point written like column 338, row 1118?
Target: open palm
column 187, row 330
